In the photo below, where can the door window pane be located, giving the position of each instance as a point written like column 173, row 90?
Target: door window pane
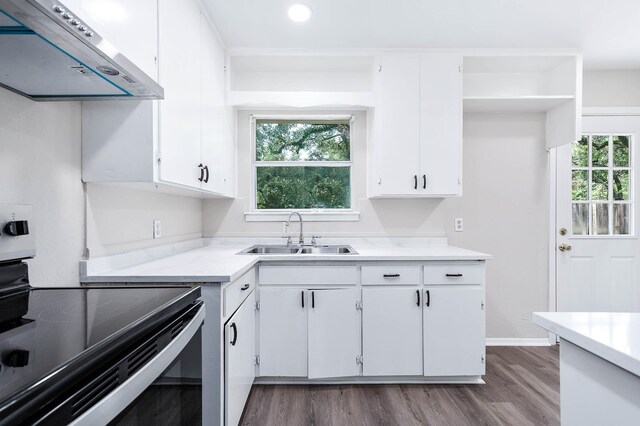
column 600, row 215
column 621, row 151
column 580, row 185
column 620, row 185
column 600, row 185
column 621, row 219
column 600, row 151
column 580, row 152
column 580, row 219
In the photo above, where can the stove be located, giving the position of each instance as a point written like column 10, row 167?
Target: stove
column 86, row 355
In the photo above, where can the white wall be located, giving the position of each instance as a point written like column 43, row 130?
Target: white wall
column 121, row 219
column 506, row 213
column 40, row 165
column 611, row 88
column 505, row 210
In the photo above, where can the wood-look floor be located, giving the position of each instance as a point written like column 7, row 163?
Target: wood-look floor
column 522, row 388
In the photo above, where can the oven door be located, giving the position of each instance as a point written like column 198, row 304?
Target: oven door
column 167, row 390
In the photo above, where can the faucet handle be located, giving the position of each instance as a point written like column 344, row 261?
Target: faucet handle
column 314, row 239
column 288, row 237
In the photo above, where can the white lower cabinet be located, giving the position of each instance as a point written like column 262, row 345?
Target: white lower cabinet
column 334, row 333
column 392, row 331
column 283, row 332
column 454, row 331
column 239, row 359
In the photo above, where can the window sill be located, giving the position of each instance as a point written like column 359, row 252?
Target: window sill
column 307, row 216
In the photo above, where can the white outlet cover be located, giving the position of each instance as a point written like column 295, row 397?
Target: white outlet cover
column 458, row 224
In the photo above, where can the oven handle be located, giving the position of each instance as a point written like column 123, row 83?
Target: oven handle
column 111, row 405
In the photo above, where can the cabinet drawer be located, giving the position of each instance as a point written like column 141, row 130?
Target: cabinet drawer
column 390, row 274
column 308, row 275
column 238, row 290
column 454, row 273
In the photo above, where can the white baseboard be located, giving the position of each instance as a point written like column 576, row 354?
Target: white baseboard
column 499, row 341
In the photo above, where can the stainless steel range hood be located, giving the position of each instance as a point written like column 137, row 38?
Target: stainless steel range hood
column 46, row 54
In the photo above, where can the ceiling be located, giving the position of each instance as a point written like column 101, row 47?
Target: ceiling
column 608, row 32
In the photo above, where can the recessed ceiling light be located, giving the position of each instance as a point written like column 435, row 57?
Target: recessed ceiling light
column 299, row 12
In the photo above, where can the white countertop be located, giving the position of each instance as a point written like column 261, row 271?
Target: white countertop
column 213, row 261
column 612, row 336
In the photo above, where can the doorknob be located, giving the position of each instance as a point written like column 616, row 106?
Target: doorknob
column 564, row 247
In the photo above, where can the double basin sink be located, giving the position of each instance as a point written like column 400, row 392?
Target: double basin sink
column 324, row 249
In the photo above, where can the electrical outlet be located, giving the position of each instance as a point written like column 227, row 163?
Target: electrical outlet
column 157, row 229
column 458, row 225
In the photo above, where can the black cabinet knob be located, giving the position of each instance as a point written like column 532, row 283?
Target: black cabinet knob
column 16, row 358
column 17, row 227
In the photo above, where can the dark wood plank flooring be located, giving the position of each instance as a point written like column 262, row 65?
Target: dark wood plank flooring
column 522, row 389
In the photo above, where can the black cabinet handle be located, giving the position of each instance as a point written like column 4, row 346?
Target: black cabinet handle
column 206, row 169
column 245, row 287
column 428, row 298
column 418, row 295
column 313, row 299
column 391, row 275
column 302, row 297
column 424, row 181
column 235, row 333
column 453, row 275
column 415, row 181
column 201, row 178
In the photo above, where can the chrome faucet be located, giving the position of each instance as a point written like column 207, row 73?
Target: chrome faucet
column 301, row 238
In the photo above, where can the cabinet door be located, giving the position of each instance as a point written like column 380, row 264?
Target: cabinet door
column 441, row 124
column 397, row 125
column 180, row 112
column 213, row 109
column 334, row 333
column 392, row 331
column 283, row 332
column 239, row 356
column 454, row 341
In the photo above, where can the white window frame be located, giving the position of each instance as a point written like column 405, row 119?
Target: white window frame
column 610, row 201
column 309, row 215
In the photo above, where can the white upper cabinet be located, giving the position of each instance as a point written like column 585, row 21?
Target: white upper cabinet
column 416, row 146
column 397, row 124
column 441, row 124
column 216, row 152
column 180, row 111
column 181, row 144
column 130, row 26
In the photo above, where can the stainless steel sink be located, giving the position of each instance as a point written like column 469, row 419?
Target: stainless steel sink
column 325, row 249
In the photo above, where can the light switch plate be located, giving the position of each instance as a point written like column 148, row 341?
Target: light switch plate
column 458, row 225
column 157, row 229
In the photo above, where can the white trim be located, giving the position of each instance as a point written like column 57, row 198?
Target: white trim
column 553, row 226
column 518, row 341
column 608, row 111
column 304, row 117
column 307, row 216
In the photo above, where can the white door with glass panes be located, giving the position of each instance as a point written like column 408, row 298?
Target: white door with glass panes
column 597, row 250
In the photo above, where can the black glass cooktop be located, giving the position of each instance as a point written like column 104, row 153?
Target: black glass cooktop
column 63, row 325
